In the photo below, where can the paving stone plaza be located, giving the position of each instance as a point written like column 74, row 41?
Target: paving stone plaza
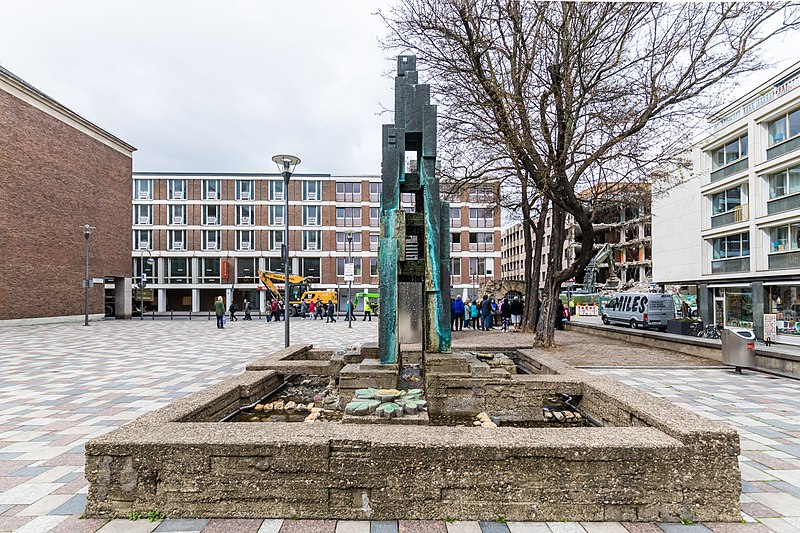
column 65, row 384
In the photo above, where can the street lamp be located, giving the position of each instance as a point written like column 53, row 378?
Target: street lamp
column 87, row 231
column 143, row 281
column 286, row 164
column 349, row 306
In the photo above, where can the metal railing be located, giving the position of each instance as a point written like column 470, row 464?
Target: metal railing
column 783, row 148
column 730, row 170
column 783, row 203
column 738, row 214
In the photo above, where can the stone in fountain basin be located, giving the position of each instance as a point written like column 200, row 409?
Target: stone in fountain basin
column 652, row 461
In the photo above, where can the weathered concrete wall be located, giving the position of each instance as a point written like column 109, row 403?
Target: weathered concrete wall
column 681, row 466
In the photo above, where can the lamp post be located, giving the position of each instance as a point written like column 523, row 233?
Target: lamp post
column 286, row 164
column 143, row 281
column 87, row 231
column 349, row 306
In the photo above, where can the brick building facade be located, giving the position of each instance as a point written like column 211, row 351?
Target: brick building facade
column 208, row 234
column 58, row 172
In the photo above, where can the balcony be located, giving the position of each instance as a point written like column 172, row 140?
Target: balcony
column 730, row 170
column 726, row 266
column 784, row 260
column 738, row 214
column 783, row 148
column 783, row 203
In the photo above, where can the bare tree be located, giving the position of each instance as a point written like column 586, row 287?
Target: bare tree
column 582, row 94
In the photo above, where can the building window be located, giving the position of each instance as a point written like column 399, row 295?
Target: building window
column 784, row 301
column 731, row 246
column 477, row 266
column 276, row 215
column 455, row 267
column 341, row 261
column 481, row 217
column 375, row 192
column 176, row 239
column 374, row 242
column 373, row 267
column 348, row 216
column 276, row 190
column 342, row 244
column 312, row 191
column 348, row 192
column 481, row 194
column 728, row 200
column 455, row 242
column 210, row 271
column 211, row 215
column 143, row 214
column 244, row 240
column 245, row 190
column 784, row 238
column 312, row 240
column 246, row 270
column 309, row 268
column 143, row 189
column 179, row 270
column 212, row 190
column 150, row 269
column 211, row 240
column 143, row 239
column 176, row 214
column 312, row 215
column 374, row 216
column 455, row 217
column 784, row 183
column 176, row 189
column 245, row 215
column 727, row 154
column 785, row 127
column 275, row 240
column 481, row 242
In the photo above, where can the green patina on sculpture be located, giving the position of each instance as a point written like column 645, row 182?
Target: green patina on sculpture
column 386, row 403
column 428, row 226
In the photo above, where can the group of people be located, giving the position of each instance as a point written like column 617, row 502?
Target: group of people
column 487, row 314
column 308, row 308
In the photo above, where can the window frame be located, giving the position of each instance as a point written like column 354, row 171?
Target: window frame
column 171, row 240
column 177, row 193
column 743, row 150
column 307, row 190
column 137, row 215
column 172, row 216
column 207, row 193
column 786, row 130
column 240, row 209
column 137, row 195
column 206, row 241
column 240, row 240
column 317, row 220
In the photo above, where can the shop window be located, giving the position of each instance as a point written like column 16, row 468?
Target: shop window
column 784, row 302
column 246, row 270
column 179, row 270
column 210, row 272
column 310, row 268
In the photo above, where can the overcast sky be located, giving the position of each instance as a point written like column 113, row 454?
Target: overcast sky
column 219, row 85
column 213, row 86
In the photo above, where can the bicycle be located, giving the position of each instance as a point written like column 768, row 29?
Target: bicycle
column 709, row 332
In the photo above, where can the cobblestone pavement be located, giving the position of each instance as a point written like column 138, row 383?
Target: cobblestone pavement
column 61, row 385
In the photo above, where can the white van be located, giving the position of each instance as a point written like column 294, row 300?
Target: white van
column 640, row 310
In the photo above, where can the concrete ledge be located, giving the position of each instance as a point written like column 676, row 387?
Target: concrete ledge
column 653, row 462
column 50, row 320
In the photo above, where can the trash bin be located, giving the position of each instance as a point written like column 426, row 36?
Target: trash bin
column 739, row 348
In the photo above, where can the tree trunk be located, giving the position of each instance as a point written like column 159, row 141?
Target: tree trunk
column 545, row 329
column 533, row 263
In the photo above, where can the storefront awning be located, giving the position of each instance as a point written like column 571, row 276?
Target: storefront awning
column 729, row 285
column 790, row 283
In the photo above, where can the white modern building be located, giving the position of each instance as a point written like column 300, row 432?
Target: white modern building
column 733, row 228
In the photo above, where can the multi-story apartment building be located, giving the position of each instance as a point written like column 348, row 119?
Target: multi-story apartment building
column 208, row 234
column 733, row 229
column 58, row 173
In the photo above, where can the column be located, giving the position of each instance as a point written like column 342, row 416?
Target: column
column 758, row 309
column 123, row 297
column 195, row 300
column 162, row 300
column 262, row 301
column 705, row 303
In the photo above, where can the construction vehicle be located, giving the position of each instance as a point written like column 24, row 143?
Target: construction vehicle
column 372, row 296
column 300, row 290
column 605, row 254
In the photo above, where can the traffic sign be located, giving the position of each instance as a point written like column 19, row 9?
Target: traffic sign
column 349, row 271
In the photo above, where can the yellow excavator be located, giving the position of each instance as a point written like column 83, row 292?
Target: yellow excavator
column 299, row 290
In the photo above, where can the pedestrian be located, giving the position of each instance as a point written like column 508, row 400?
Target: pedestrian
column 219, row 310
column 457, row 310
column 505, row 314
column 495, row 313
column 331, row 312
column 319, row 308
column 367, row 310
column 473, row 314
column 516, row 307
column 312, row 309
column 274, row 307
column 349, row 312
column 559, row 318
column 572, row 306
column 232, row 310
column 303, row 309
column 247, row 310
column 486, row 313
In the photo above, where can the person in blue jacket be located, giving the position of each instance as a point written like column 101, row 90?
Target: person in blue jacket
column 457, row 310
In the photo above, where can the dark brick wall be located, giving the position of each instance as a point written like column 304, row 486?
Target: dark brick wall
column 53, row 180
